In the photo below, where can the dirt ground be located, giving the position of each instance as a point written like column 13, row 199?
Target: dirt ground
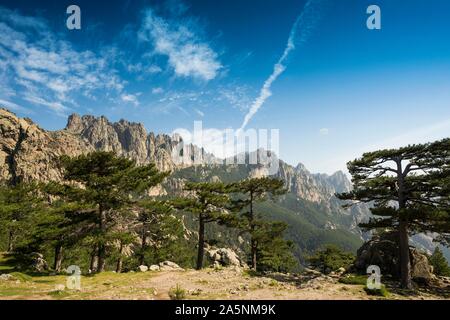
column 227, row 284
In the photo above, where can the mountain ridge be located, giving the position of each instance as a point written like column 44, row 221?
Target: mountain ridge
column 315, row 215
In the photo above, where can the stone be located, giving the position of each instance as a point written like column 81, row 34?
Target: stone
column 154, row 267
column 38, row 262
column 6, row 277
column 421, row 269
column 341, row 270
column 142, row 268
column 169, row 266
column 224, row 257
column 383, row 251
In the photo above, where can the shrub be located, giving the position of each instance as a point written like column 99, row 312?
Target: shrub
column 177, row 293
column 331, row 258
column 354, row 279
column 439, row 263
column 21, row 276
column 382, row 292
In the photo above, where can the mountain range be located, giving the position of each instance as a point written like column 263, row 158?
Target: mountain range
column 314, row 215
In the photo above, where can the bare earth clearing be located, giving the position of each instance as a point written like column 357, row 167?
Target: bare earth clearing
column 227, row 284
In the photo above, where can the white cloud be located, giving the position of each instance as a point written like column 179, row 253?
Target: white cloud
column 324, row 131
column 186, row 53
column 14, row 107
column 130, row 98
column 304, row 23
column 200, row 113
column 157, row 90
column 47, row 70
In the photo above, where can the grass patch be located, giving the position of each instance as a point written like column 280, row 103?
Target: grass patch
column 250, row 273
column 273, row 283
column 21, row 276
column 177, row 293
column 59, row 294
column 354, row 279
column 6, row 263
column 382, row 292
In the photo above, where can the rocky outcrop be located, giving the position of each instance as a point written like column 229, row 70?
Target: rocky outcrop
column 223, row 257
column 169, row 266
column 142, row 268
column 383, row 251
column 28, row 152
column 38, row 262
column 124, row 138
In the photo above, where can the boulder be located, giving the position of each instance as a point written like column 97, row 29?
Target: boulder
column 142, row 268
column 224, row 257
column 38, row 262
column 383, row 251
column 169, row 266
column 154, row 267
column 6, row 277
column 421, row 269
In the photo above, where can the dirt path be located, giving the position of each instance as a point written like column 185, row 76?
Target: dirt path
column 227, row 284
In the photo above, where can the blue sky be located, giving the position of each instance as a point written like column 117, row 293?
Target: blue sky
column 343, row 89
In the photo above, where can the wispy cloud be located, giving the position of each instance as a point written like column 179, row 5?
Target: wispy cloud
column 157, row 90
column 14, row 107
column 188, row 55
column 324, row 131
column 427, row 133
column 132, row 98
column 300, row 32
column 47, row 70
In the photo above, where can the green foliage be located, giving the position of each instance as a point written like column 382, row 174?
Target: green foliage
column 331, row 258
column 266, row 238
column 354, row 279
column 382, row 292
column 274, row 252
column 109, row 185
column 439, row 263
column 177, row 293
column 409, row 190
column 21, row 276
column 207, row 201
column 18, row 206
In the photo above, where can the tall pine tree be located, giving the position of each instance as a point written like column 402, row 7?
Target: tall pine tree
column 208, row 201
column 109, row 183
column 409, row 191
column 248, row 193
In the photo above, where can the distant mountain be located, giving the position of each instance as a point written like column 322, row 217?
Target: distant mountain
column 29, row 152
column 314, row 214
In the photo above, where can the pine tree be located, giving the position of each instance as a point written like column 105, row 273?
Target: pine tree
column 248, row 193
column 439, row 263
column 274, row 252
column 109, row 183
column 331, row 258
column 208, row 201
column 409, row 190
column 160, row 231
column 18, row 204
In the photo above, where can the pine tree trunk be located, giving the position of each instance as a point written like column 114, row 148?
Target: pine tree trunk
column 101, row 246
column 201, row 242
column 58, row 258
column 405, row 266
column 94, row 261
column 254, row 247
column 119, row 260
column 143, row 243
column 10, row 241
column 253, row 243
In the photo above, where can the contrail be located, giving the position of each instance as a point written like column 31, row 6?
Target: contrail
column 304, row 24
